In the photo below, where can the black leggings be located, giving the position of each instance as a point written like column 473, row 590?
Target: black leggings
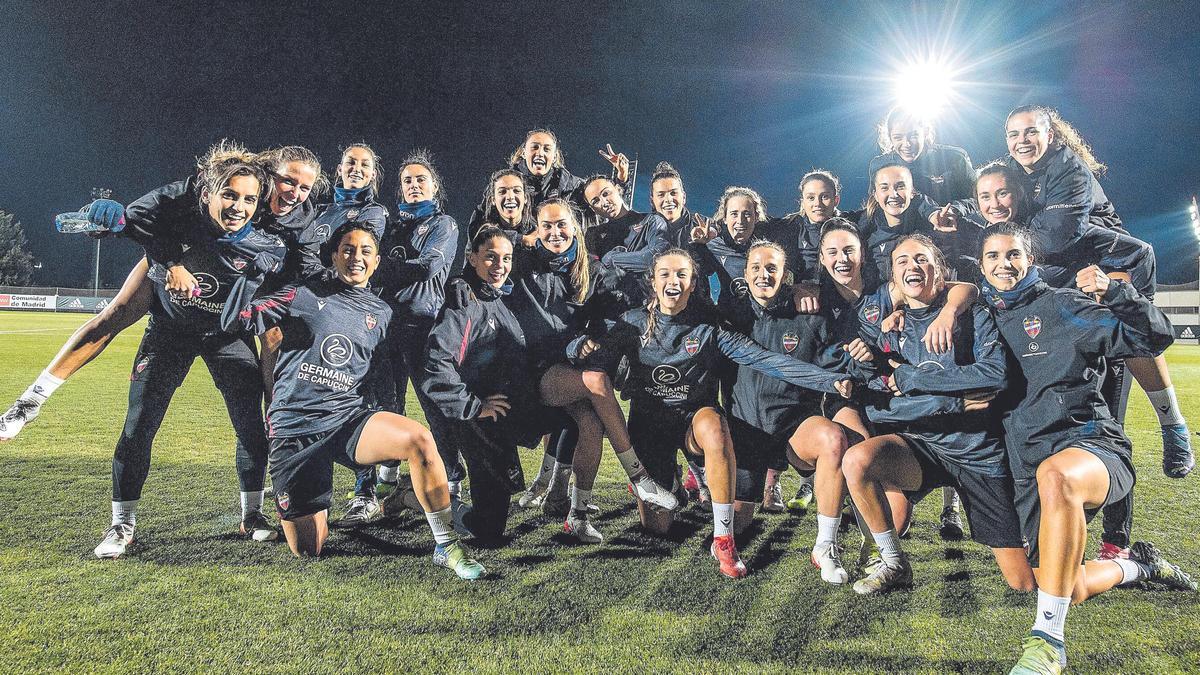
column 495, row 474
column 1118, row 517
column 162, row 362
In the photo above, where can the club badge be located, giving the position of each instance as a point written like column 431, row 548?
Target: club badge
column 871, row 313
column 691, row 345
column 790, row 342
column 351, row 214
column 371, row 321
column 998, row 302
column 284, row 501
column 397, row 253
column 1033, row 326
column 239, row 264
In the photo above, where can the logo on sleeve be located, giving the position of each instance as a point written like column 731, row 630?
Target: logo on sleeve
column 336, row 350
column 1033, row 326
column 740, row 287
column 871, row 313
column 790, row 342
column 351, row 214
column 665, row 375
column 397, row 253
column 691, row 345
column 239, row 264
column 371, row 321
column 323, row 232
column 619, row 249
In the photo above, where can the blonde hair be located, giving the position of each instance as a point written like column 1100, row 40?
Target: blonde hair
column 760, row 207
column 581, row 269
column 275, row 161
column 224, row 161
column 377, row 180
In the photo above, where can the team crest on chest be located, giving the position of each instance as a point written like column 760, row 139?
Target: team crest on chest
column 351, row 214
column 371, row 321
column 422, row 230
column 871, row 313
column 938, row 179
column 1033, row 326
column 790, row 342
column 239, row 264
column 691, row 345
column 998, row 302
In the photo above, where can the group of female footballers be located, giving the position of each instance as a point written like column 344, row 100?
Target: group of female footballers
column 971, row 330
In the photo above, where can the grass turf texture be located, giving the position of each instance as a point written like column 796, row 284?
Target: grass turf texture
column 191, row 595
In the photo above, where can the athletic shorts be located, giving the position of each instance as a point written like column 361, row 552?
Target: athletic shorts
column 988, row 500
column 658, row 433
column 302, row 466
column 1121, row 478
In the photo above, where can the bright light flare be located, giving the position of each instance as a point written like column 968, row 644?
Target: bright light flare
column 1194, row 212
column 925, row 88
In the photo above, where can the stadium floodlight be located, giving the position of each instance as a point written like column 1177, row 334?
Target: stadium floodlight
column 925, row 87
column 1194, row 212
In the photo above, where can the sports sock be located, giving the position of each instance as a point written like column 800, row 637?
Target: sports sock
column 630, row 462
column 543, row 477
column 1166, row 406
column 950, row 499
column 580, row 498
column 251, row 502
column 455, row 487
column 827, row 529
column 722, row 519
column 889, row 546
column 561, row 475
column 1051, row 615
column 389, row 474
column 42, row 387
column 1131, row 570
column 124, row 512
column 441, row 523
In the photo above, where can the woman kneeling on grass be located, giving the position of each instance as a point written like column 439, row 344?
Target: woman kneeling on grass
column 1069, row 457
column 331, row 327
column 676, row 353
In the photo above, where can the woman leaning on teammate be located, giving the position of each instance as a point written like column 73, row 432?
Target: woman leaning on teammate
column 676, row 350
column 217, row 243
column 769, row 417
column 933, row 427
column 1068, row 456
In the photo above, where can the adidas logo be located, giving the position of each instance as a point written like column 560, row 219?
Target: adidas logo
column 1187, row 333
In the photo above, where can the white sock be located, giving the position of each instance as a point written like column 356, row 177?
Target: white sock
column 827, row 529
column 1166, row 406
column 949, row 498
column 889, row 546
column 1051, row 615
column 1131, row 571
column 124, row 512
column 543, row 477
column 580, row 498
column 389, row 474
column 441, row 523
column 42, row 387
column 722, row 519
column 630, row 462
column 251, row 502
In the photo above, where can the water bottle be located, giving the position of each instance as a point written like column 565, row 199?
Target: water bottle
column 76, row 221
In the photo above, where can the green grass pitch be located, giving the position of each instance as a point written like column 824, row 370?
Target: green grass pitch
column 193, row 596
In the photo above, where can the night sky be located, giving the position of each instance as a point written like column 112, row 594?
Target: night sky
column 752, row 94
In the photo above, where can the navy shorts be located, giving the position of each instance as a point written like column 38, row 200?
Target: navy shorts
column 988, row 500
column 302, row 466
column 1121, row 478
column 658, row 433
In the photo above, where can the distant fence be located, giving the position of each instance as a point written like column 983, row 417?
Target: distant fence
column 55, row 298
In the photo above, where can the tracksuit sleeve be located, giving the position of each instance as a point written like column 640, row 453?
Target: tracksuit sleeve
column 1068, row 199
column 744, row 351
column 988, row 373
column 446, row 348
column 1126, row 325
column 144, row 224
column 899, row 409
column 639, row 261
column 613, row 344
column 435, row 255
column 243, row 312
